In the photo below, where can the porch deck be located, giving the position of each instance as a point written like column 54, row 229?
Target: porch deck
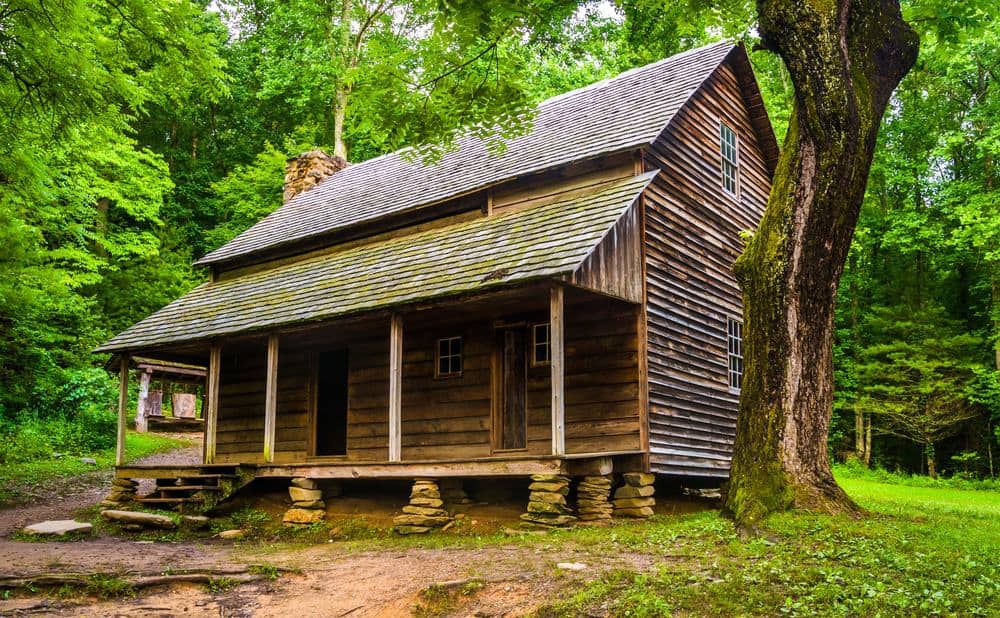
column 506, row 466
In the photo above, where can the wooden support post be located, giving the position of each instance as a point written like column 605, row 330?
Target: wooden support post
column 557, row 367
column 271, row 398
column 140, row 409
column 210, row 411
column 396, row 388
column 122, row 406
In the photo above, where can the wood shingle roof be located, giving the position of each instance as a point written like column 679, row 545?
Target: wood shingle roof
column 490, row 252
column 624, row 112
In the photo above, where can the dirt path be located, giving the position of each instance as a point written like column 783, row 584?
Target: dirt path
column 328, row 580
column 63, row 497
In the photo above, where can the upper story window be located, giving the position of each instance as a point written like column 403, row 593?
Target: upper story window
column 449, row 357
column 730, row 159
column 735, row 338
column 541, row 344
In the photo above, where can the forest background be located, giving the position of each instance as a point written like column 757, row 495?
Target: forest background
column 137, row 135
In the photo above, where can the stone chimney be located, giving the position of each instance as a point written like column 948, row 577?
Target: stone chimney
column 307, row 170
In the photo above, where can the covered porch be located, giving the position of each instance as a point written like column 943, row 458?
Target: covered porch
column 540, row 379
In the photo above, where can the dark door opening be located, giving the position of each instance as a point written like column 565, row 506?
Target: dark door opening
column 331, row 403
column 513, row 388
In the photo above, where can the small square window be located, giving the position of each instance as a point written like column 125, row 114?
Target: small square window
column 541, row 344
column 730, row 159
column 735, row 340
column 449, row 357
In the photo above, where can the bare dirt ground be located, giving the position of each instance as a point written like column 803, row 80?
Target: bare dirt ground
column 331, row 579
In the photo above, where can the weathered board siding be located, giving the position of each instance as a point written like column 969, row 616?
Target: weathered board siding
column 615, row 266
column 692, row 238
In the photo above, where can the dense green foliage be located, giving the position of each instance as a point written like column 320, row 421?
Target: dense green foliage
column 138, row 135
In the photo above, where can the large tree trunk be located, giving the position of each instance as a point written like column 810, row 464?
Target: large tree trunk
column 845, row 58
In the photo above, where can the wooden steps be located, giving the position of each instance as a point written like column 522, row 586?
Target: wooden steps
column 188, row 487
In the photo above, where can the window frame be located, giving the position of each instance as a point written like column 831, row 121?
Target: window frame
column 535, row 344
column 724, row 160
column 734, row 351
column 460, row 355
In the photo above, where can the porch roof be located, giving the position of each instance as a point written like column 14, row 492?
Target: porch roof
column 543, row 241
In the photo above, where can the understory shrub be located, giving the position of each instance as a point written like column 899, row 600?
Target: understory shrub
column 854, row 469
column 31, row 438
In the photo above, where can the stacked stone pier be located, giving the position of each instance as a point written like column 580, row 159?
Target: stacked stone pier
column 592, row 500
column 122, row 492
column 425, row 512
column 635, row 498
column 308, row 506
column 547, row 506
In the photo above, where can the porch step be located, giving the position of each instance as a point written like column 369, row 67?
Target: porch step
column 166, row 488
column 148, row 500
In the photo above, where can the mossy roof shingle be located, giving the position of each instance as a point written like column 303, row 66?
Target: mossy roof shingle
column 624, row 112
column 489, row 252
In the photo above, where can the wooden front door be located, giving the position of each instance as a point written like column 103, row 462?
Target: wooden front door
column 331, row 403
column 513, row 378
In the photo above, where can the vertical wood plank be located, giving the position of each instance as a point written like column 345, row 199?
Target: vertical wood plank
column 211, row 409
column 122, row 405
column 395, row 387
column 271, row 398
column 558, row 369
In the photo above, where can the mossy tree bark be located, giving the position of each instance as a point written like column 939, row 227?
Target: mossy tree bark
column 844, row 57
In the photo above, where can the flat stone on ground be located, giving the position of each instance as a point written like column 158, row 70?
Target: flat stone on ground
column 57, row 527
column 303, row 516
column 149, row 520
column 571, row 566
column 231, row 534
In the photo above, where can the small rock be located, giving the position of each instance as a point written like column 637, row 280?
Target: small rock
column 57, row 455
column 409, row 529
column 336, row 532
column 448, row 526
column 571, row 566
column 149, row 520
column 303, row 516
column 231, row 534
column 57, row 527
column 90, row 461
column 460, row 516
column 132, row 528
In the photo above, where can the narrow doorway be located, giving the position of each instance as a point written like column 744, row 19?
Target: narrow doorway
column 512, row 348
column 331, row 403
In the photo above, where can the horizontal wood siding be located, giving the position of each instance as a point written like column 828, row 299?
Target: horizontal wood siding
column 448, row 417
column 692, row 240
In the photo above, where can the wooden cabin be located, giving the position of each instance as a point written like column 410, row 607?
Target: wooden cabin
column 565, row 304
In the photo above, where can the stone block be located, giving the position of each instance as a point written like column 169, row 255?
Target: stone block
column 434, row 503
column 406, row 529
column 420, row 520
column 546, row 496
column 304, row 483
column 560, row 488
column 628, row 491
column 423, row 510
column 549, row 478
column 638, row 512
column 148, row 520
column 310, row 504
column 634, row 503
column 59, row 527
column 546, row 507
column 556, row 520
column 639, row 479
column 304, row 495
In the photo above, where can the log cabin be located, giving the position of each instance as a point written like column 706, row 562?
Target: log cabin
column 563, row 307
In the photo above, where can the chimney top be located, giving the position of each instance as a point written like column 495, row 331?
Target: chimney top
column 307, row 170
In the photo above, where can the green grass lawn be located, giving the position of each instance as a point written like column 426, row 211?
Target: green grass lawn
column 24, row 479
column 921, row 552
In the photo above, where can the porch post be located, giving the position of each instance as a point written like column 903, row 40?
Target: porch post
column 122, row 405
column 557, row 369
column 140, row 411
column 271, row 398
column 396, row 387
column 211, row 410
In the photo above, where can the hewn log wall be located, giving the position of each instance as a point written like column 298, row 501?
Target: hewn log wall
column 692, row 233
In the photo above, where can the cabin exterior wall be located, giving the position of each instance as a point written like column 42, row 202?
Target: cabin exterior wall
column 692, row 228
